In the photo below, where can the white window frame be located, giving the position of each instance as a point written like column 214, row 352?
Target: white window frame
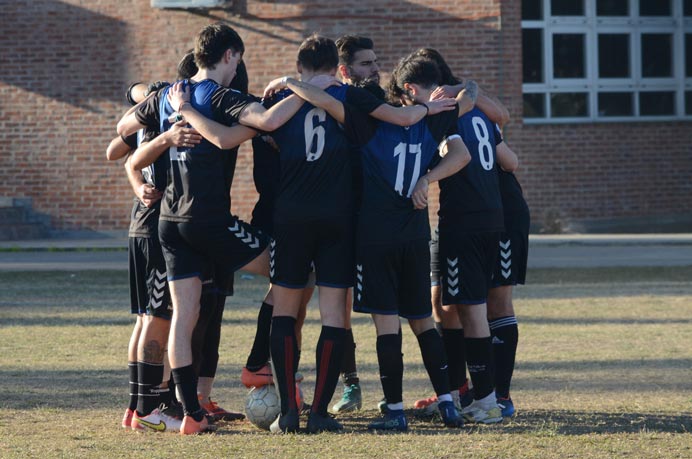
column 591, row 26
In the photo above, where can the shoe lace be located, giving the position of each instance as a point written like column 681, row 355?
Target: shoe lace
column 348, row 390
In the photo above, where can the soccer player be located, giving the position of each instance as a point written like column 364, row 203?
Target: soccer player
column 150, row 405
column 197, row 231
column 471, row 219
column 510, row 270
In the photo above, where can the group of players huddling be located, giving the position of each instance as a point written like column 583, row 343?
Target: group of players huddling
column 342, row 170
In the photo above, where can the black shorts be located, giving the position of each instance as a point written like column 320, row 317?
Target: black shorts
column 328, row 243
column 435, row 258
column 201, row 249
column 468, row 261
column 510, row 268
column 148, row 285
column 393, row 280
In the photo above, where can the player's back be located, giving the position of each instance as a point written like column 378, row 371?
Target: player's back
column 316, row 165
column 200, row 174
column 471, row 197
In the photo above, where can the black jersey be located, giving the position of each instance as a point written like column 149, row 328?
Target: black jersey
column 393, row 159
column 315, row 163
column 470, row 199
column 200, row 176
column 513, row 200
column 144, row 221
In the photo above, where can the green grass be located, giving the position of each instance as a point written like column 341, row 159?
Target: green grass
column 604, row 370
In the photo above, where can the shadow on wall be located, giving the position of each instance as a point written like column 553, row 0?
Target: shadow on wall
column 62, row 52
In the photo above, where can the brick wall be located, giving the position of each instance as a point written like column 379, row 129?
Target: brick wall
column 66, row 64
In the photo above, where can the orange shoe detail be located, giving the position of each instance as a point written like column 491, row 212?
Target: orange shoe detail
column 217, row 413
column 192, row 427
column 258, row 378
column 425, row 402
column 127, row 419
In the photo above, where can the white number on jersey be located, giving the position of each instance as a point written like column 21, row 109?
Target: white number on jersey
column 400, row 151
column 485, row 149
column 314, row 135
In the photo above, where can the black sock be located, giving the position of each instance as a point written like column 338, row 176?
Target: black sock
column 186, row 381
column 453, row 340
column 330, row 348
column 150, row 377
column 165, row 393
column 391, row 363
column 479, row 358
column 259, row 354
column 212, row 339
column 505, row 334
column 435, row 360
column 348, row 363
column 132, row 371
column 284, row 356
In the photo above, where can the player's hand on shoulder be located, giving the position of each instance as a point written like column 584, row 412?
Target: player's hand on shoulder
column 440, row 105
column 324, row 81
column 275, row 86
column 178, row 94
column 420, row 194
column 148, row 194
column 179, row 135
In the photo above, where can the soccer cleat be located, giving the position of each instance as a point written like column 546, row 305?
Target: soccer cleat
column 426, row 406
column 191, row 427
column 323, row 423
column 425, row 402
column 450, row 415
column 217, row 413
column 127, row 419
column 488, row 413
column 350, row 401
column 156, row 421
column 382, row 406
column 506, row 406
column 393, row 420
column 287, row 423
column 258, row 378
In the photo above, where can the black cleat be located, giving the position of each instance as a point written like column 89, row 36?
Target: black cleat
column 323, row 423
column 286, row 423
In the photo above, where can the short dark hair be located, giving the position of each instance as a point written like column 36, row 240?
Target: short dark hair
column 212, row 41
column 412, row 69
column 240, row 81
column 318, row 53
column 446, row 75
column 187, row 67
column 349, row 45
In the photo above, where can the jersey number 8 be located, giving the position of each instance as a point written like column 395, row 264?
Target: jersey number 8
column 485, row 150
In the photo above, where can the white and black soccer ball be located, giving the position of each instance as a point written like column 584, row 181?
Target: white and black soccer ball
column 262, row 406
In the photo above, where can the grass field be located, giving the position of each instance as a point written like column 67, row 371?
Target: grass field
column 604, row 370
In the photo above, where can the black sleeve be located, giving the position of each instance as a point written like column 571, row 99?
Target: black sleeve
column 362, row 99
column 228, row 104
column 149, row 134
column 148, row 113
column 443, row 124
column 130, row 140
column 359, row 127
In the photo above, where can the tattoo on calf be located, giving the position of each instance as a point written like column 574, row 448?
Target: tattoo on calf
column 153, row 352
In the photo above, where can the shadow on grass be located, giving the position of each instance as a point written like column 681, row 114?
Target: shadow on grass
column 604, row 321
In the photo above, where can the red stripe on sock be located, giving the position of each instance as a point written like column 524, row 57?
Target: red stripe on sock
column 322, row 372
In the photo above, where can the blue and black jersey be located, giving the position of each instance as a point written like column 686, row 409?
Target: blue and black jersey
column 144, row 221
column 470, row 199
column 316, row 160
column 199, row 177
column 393, row 159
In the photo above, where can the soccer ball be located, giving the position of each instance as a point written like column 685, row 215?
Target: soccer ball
column 262, row 406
